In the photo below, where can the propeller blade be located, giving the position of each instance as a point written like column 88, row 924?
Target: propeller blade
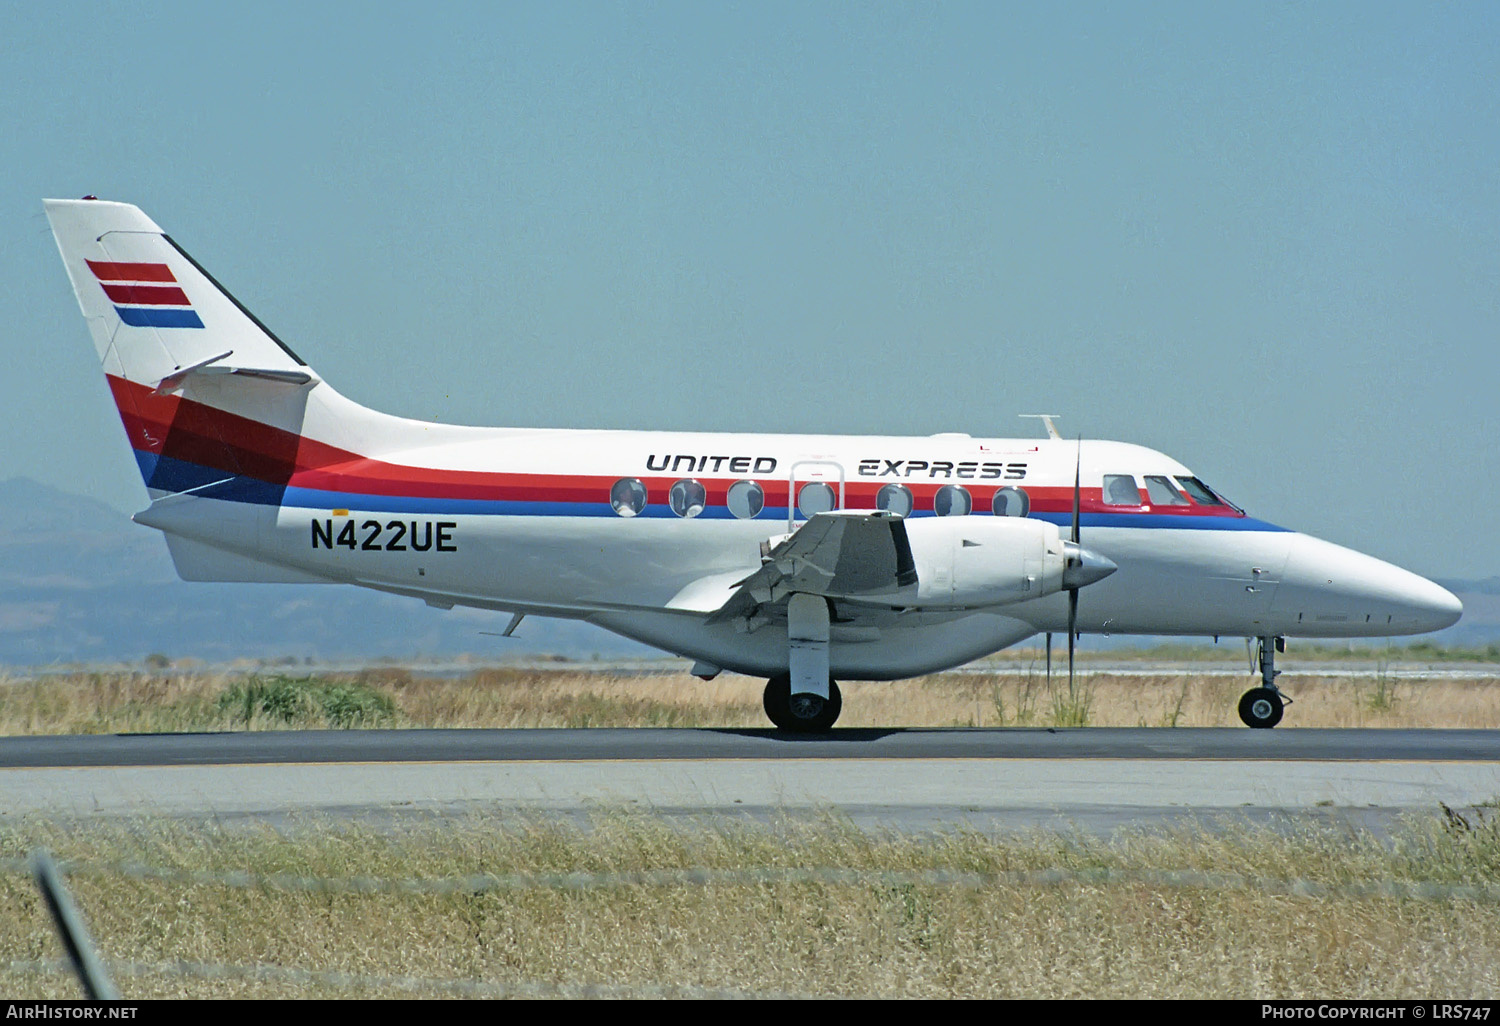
column 1073, row 592
column 1077, row 475
column 1049, row 660
column 1072, row 635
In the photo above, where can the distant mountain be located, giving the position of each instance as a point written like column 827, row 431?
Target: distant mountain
column 81, row 583
column 1488, row 586
column 1481, row 620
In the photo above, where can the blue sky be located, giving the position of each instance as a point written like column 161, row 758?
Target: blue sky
column 1264, row 239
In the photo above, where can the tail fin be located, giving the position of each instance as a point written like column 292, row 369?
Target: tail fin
column 152, row 310
column 206, row 391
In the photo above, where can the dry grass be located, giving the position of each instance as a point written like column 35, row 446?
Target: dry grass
column 173, row 701
column 1071, row 940
column 1134, row 940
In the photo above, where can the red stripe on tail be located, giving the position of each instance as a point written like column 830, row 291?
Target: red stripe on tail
column 147, row 295
column 106, row 270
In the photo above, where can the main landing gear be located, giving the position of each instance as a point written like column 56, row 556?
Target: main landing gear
column 803, row 713
column 1262, row 707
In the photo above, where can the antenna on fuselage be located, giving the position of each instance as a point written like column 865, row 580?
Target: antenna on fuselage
column 1047, row 419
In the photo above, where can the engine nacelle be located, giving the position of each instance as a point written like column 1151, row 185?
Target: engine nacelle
column 970, row 562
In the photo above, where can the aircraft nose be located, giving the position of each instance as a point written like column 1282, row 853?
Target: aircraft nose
column 1339, row 592
column 1436, row 606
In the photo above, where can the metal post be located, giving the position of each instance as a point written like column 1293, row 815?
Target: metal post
column 75, row 936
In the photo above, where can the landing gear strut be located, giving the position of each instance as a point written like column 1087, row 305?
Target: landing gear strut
column 803, row 713
column 1262, row 707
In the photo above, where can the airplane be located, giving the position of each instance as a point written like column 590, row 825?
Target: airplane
column 801, row 559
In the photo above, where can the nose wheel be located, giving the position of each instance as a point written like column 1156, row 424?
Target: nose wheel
column 803, row 714
column 1262, row 707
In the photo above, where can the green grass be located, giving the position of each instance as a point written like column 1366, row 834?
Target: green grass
column 304, row 702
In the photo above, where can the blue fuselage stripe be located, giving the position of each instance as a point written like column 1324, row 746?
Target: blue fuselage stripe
column 1154, row 520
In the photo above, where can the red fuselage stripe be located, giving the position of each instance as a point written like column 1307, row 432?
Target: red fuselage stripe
column 182, row 429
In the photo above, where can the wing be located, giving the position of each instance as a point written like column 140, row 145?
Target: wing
column 844, row 554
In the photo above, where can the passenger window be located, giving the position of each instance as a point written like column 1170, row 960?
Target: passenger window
column 1160, row 491
column 627, row 497
column 1120, row 490
column 1011, row 502
column 894, row 497
column 815, row 497
column 687, row 498
column 952, row 501
column 746, row 499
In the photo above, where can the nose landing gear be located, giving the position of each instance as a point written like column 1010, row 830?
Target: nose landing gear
column 1262, row 707
column 802, row 713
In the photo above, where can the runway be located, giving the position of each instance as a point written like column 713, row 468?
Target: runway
column 675, row 744
column 1092, row 779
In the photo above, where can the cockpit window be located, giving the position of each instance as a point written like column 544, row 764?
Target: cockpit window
column 1159, row 489
column 1202, row 494
column 1121, row 490
column 628, row 496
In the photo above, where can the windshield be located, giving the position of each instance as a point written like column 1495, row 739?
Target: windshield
column 1203, row 495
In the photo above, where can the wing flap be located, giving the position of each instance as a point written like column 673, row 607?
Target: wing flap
column 848, row 554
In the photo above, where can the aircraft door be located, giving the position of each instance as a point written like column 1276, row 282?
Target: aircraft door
column 815, row 486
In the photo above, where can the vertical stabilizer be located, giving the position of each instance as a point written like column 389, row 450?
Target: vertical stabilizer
column 151, row 310
column 209, row 397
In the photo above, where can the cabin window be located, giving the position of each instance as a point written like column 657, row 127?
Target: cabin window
column 628, row 496
column 895, row 498
column 1159, row 489
column 1121, row 490
column 746, row 499
column 952, row 501
column 1203, row 495
column 1011, row 502
column 815, row 497
column 687, row 498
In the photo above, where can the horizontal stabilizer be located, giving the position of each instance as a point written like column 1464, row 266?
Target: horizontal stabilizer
column 214, row 366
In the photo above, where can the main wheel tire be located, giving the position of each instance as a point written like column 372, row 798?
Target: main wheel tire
column 1261, row 707
column 802, row 714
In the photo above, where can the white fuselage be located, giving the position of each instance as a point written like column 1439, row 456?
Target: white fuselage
column 546, row 540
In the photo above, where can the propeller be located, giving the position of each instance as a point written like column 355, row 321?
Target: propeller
column 1073, row 591
column 1081, row 568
